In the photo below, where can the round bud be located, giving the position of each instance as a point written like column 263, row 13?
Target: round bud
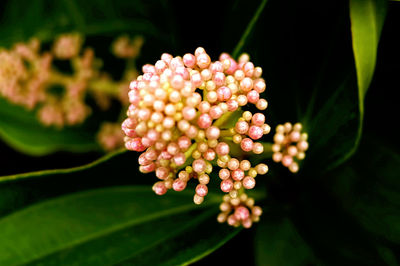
column 227, row 185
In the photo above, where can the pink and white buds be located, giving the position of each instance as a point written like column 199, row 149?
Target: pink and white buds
column 239, row 211
column 179, row 113
column 290, row 145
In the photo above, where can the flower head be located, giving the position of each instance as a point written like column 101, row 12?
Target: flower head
column 180, row 115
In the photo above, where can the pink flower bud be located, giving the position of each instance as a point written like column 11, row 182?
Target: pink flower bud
column 242, row 213
column 222, row 148
column 159, row 188
column 255, row 132
column 241, row 127
column 246, row 144
column 162, row 172
column 204, row 121
column 226, row 185
column 224, row 93
column 224, row 174
column 201, row 190
column 179, row 159
column 249, row 182
column 178, row 185
column 238, row 174
column 189, row 60
column 199, row 165
column 212, row 132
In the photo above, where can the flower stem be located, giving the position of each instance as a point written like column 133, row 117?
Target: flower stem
column 267, row 146
column 104, row 85
column 221, row 122
column 227, row 133
column 191, row 149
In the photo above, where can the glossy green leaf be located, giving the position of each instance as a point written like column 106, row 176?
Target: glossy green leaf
column 367, row 17
column 113, row 225
column 22, row 130
column 21, row 190
column 278, row 243
column 42, row 220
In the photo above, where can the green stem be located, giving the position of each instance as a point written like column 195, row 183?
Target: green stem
column 188, row 153
column 267, row 154
column 191, row 149
column 205, row 92
column 226, row 133
column 220, row 122
column 107, row 86
column 59, row 78
column 267, row 146
column 248, row 30
column 227, row 139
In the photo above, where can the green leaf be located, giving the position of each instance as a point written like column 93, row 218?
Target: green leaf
column 21, row 190
column 45, row 19
column 349, row 216
column 368, row 186
column 21, row 129
column 367, row 17
column 278, row 243
column 249, row 29
column 114, row 225
column 98, row 214
column 336, row 122
column 331, row 232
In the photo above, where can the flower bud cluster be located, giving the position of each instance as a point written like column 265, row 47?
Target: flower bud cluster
column 239, row 211
column 67, row 46
column 236, row 175
column 289, row 145
column 125, row 47
column 110, row 136
column 179, row 108
column 249, row 128
column 30, row 77
column 19, row 84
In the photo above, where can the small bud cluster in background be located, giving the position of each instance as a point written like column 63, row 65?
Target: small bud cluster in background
column 29, row 77
column 110, row 136
column 289, row 145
